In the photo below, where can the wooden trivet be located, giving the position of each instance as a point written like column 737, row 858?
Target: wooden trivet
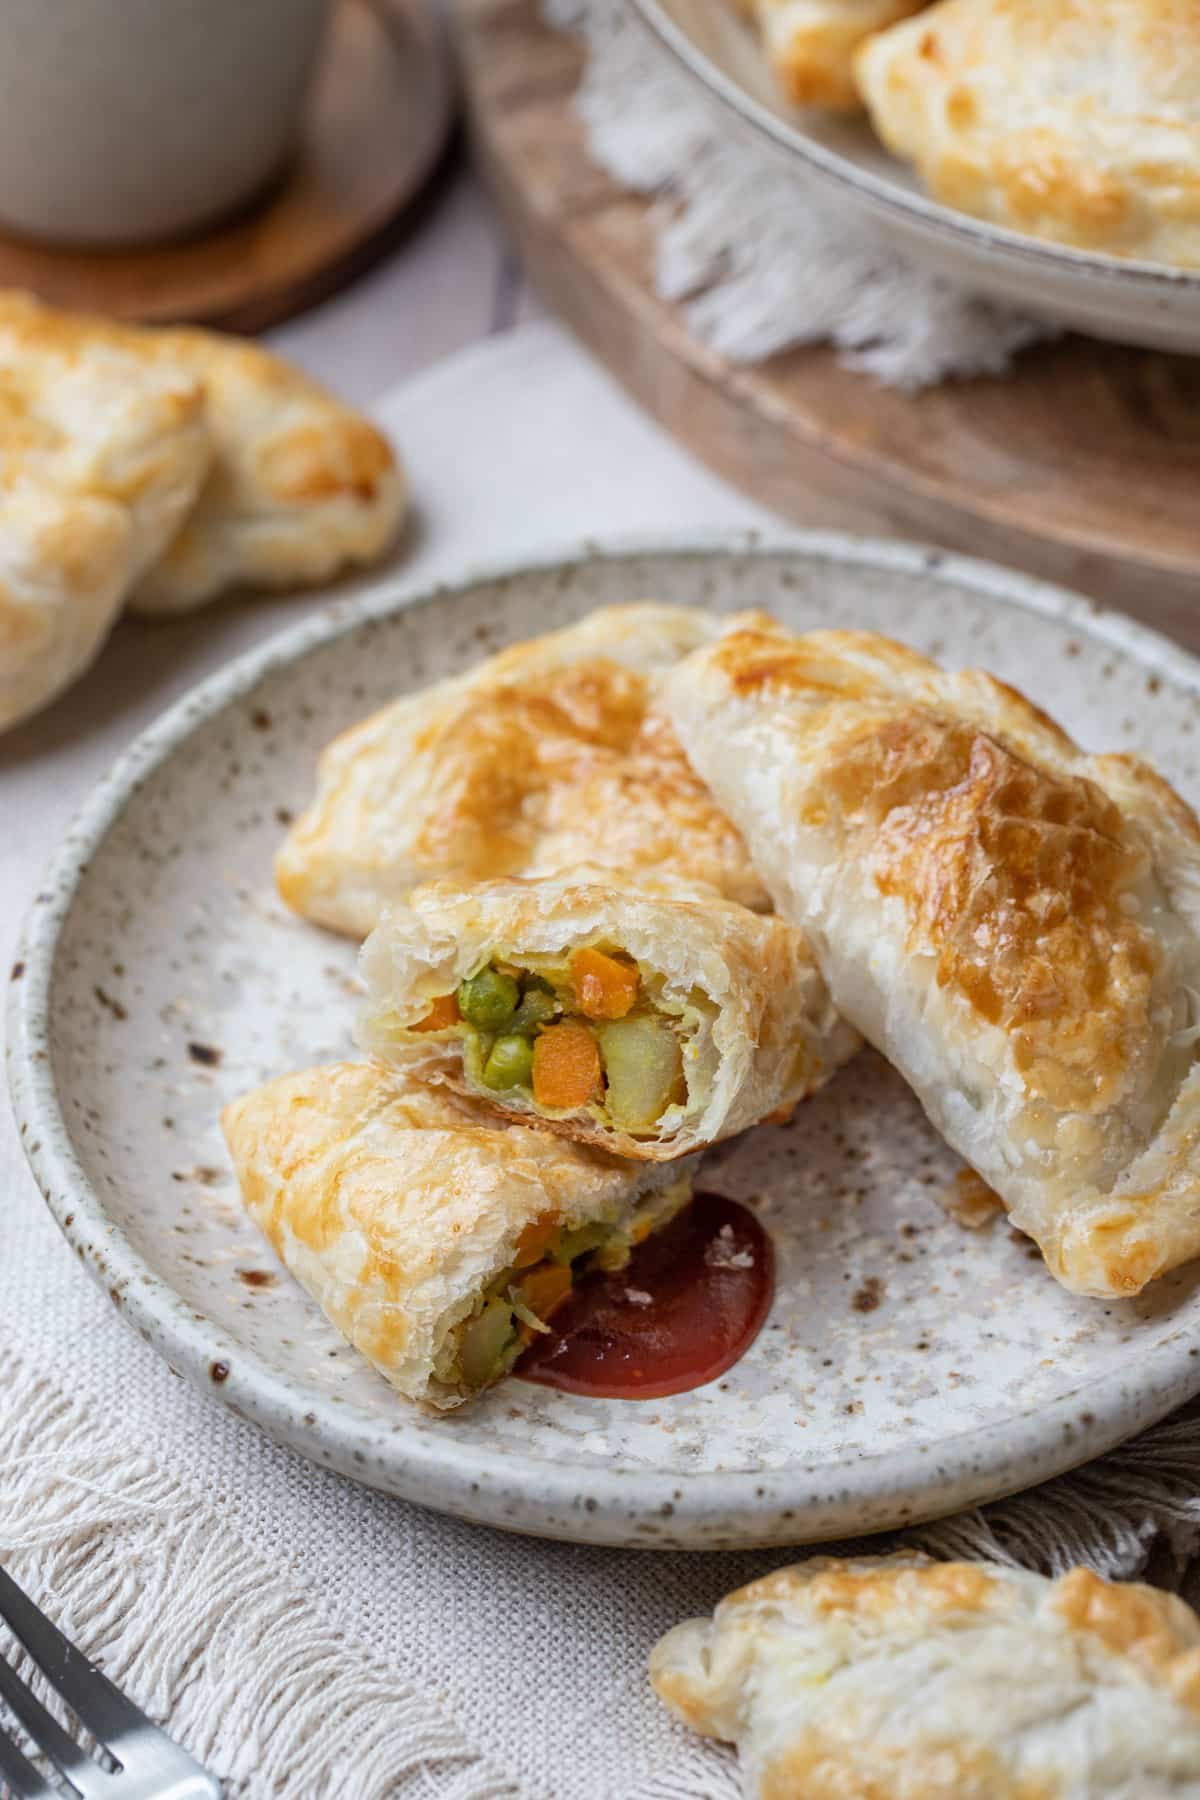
column 1082, row 465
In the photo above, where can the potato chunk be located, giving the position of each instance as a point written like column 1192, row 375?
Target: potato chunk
column 644, row 1067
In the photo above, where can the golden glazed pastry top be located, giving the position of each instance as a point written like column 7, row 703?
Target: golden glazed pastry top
column 301, row 485
column 811, row 44
column 897, row 1678
column 156, row 469
column 1014, row 923
column 548, row 755
column 1077, row 120
column 102, row 451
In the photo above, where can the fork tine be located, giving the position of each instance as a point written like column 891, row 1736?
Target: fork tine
column 19, row 1775
column 85, row 1688
column 68, row 1757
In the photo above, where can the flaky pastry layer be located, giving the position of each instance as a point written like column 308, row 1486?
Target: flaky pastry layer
column 1076, row 122
column 898, row 1678
column 1015, row 924
column 548, row 755
column 400, row 1207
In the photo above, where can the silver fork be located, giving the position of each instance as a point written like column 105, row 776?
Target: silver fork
column 141, row 1761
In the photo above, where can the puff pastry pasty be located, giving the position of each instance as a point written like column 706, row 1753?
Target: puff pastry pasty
column 546, row 756
column 434, row 1240
column 301, row 486
column 1014, row 924
column 896, row 1678
column 811, row 44
column 101, row 455
column 1075, row 122
column 649, row 1021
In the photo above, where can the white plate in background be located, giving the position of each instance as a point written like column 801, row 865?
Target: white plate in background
column 1107, row 296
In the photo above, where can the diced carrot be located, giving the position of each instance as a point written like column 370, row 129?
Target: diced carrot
column 441, row 1016
column 604, row 987
column 531, row 1245
column 544, row 1290
column 566, row 1065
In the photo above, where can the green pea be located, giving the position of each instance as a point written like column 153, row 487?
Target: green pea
column 488, row 1000
column 579, row 1242
column 485, row 1343
column 510, row 1063
column 538, row 1006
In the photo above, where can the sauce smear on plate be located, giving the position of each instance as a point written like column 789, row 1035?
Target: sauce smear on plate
column 689, row 1302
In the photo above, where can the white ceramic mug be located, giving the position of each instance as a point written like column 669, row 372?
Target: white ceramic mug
column 130, row 121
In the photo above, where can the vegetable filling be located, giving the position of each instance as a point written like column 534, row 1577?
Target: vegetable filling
column 584, row 1034
column 549, row 1258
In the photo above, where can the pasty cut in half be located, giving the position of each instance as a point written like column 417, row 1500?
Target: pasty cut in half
column 546, row 756
column 1014, row 924
column 648, row 1021
column 811, row 44
column 896, row 1678
column 1071, row 121
column 436, row 1241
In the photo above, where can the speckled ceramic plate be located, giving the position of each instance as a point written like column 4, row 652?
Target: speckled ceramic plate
column 909, row 1366
column 1107, row 296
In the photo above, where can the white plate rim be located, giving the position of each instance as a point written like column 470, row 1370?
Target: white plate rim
column 805, row 1501
column 934, row 218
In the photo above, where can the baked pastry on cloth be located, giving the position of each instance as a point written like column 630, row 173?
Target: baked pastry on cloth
column 102, row 452
column 436, row 1241
column 301, row 485
column 1067, row 120
column 648, row 1020
column 546, row 756
column 897, row 1678
column 1014, row 924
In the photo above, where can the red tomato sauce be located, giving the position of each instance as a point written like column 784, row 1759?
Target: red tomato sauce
column 688, row 1304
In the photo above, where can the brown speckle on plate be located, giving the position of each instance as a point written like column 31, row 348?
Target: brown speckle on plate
column 869, row 1296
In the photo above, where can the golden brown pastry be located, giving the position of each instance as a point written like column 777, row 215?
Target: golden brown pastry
column 1014, row 924
column 301, row 485
column 811, row 44
column 434, row 1240
column 897, row 1678
column 546, row 756
column 1072, row 121
column 648, row 1020
column 101, row 453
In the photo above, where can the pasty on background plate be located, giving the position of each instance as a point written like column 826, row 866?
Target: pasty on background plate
column 897, row 1678
column 1075, row 122
column 301, row 485
column 647, row 1021
column 1014, row 924
column 436, row 1241
column 811, row 44
column 544, row 757
column 102, row 452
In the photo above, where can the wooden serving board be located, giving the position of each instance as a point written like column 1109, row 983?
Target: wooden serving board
column 1083, row 465
column 376, row 125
